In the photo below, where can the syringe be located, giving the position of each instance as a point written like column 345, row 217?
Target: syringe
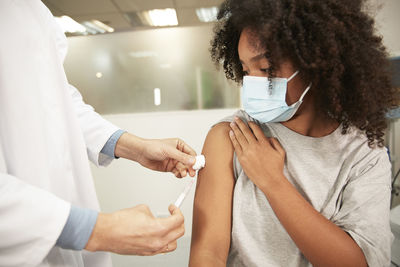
column 184, row 193
column 200, row 163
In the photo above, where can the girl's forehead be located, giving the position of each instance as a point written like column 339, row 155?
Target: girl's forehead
column 250, row 45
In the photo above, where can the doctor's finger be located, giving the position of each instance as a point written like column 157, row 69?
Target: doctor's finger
column 186, row 148
column 174, row 221
column 192, row 172
column 167, row 249
column 171, row 246
column 184, row 169
column 190, row 151
column 172, row 238
column 235, row 143
column 176, row 172
column 259, row 134
column 170, row 166
column 181, row 168
column 248, row 134
column 173, row 228
column 176, row 154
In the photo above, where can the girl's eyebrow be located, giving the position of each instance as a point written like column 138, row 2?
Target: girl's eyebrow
column 255, row 58
column 258, row 57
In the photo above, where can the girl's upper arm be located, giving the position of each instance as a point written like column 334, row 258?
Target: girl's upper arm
column 212, row 210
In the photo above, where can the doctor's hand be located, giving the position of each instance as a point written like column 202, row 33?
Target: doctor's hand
column 262, row 158
column 135, row 231
column 166, row 155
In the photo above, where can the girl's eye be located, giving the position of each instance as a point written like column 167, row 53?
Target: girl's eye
column 264, row 70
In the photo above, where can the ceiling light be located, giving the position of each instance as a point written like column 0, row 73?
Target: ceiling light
column 93, row 28
column 102, row 26
column 96, row 27
column 161, row 17
column 207, row 14
column 70, row 25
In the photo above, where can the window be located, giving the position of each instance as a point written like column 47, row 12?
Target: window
column 150, row 70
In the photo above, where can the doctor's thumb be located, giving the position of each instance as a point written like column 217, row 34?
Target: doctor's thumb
column 173, row 209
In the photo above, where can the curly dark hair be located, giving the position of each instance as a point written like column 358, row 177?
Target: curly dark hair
column 332, row 42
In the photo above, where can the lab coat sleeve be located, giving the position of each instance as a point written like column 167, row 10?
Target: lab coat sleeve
column 96, row 130
column 31, row 222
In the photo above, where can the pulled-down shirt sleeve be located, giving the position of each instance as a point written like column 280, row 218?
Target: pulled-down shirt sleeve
column 78, row 228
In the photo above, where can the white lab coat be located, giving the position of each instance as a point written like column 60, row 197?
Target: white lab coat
column 47, row 134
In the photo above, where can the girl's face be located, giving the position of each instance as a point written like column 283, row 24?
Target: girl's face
column 254, row 63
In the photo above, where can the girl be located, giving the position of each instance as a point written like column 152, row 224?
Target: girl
column 300, row 177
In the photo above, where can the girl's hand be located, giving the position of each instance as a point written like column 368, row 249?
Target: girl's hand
column 262, row 158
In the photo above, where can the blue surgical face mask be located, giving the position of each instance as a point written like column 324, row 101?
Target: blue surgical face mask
column 267, row 103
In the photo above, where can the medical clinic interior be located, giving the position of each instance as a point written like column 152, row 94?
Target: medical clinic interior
column 146, row 66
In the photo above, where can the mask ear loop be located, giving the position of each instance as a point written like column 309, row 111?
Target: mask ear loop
column 291, row 77
column 294, row 75
column 305, row 92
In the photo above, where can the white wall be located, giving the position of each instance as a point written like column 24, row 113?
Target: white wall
column 388, row 24
column 124, row 184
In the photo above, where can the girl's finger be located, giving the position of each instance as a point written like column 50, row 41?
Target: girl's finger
column 258, row 132
column 277, row 146
column 238, row 134
column 236, row 145
column 248, row 134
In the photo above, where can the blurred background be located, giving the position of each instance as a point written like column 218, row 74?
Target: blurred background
column 145, row 66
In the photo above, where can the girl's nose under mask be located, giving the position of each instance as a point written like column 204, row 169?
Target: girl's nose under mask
column 267, row 103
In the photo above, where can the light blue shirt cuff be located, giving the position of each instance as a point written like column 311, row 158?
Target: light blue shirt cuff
column 78, row 229
column 109, row 147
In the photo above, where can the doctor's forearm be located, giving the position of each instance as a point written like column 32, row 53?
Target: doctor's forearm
column 129, row 146
column 322, row 242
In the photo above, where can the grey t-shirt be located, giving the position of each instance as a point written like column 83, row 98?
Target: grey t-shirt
column 345, row 180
